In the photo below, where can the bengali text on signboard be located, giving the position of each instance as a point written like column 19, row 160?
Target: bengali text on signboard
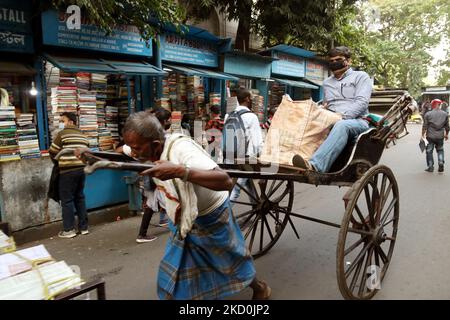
column 15, row 26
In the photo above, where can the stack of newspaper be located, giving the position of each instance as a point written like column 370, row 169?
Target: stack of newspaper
column 32, row 274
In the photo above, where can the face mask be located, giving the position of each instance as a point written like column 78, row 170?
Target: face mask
column 337, row 65
column 61, row 125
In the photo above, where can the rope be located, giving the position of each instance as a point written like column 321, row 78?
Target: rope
column 45, row 286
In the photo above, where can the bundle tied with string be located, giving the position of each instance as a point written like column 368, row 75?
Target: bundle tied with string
column 298, row 127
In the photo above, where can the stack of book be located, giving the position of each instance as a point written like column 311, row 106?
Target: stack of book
column 277, row 91
column 9, row 149
column 123, row 113
column 83, row 80
column 196, row 93
column 112, row 122
column 101, row 113
column 165, row 88
column 176, row 122
column 105, row 140
column 99, row 83
column 52, row 75
column 63, row 99
column 182, row 93
column 32, row 274
column 111, row 91
column 27, row 137
column 87, row 106
column 67, row 79
column 172, row 84
column 258, row 105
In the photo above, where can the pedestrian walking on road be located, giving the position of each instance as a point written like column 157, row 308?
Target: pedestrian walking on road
column 206, row 256
column 435, row 129
column 151, row 199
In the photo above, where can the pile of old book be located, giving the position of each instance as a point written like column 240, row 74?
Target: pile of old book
column 27, row 136
column 9, row 149
column 32, row 274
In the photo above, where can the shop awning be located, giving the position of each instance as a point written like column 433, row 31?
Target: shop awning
column 290, row 50
column 295, row 83
column 224, row 44
column 190, row 71
column 70, row 64
column 315, row 82
column 16, row 68
column 136, row 68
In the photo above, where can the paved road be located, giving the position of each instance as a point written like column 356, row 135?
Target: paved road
column 305, row 268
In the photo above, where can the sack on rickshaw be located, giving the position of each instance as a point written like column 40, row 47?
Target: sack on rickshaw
column 298, row 127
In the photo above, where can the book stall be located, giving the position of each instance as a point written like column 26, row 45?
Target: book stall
column 100, row 101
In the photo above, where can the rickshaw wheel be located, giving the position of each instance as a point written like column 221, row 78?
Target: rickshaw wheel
column 265, row 213
column 368, row 233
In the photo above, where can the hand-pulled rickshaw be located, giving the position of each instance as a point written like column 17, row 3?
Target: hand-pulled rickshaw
column 368, row 230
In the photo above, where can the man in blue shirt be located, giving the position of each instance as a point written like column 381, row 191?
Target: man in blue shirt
column 347, row 92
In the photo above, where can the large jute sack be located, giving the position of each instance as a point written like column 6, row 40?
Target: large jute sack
column 298, row 127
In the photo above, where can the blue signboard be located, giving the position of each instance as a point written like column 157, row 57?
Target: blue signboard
column 189, row 50
column 15, row 26
column 288, row 65
column 123, row 39
column 247, row 67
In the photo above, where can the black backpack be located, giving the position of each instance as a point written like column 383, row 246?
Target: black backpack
column 234, row 143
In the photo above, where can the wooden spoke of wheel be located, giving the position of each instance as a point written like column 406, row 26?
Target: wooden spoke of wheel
column 355, row 245
column 382, row 201
column 252, row 197
column 241, row 215
column 263, row 228
column 243, row 203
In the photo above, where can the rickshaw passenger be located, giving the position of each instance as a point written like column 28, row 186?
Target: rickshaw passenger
column 346, row 92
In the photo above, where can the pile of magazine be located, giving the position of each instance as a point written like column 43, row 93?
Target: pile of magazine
column 32, row 274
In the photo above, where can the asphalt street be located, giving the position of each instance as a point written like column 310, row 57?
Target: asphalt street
column 297, row 269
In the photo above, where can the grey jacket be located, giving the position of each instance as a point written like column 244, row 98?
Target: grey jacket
column 435, row 122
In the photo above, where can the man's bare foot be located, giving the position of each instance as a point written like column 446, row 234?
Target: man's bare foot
column 261, row 290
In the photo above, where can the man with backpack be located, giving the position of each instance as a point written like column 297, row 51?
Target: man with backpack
column 242, row 137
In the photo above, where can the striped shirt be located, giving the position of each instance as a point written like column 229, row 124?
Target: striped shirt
column 69, row 138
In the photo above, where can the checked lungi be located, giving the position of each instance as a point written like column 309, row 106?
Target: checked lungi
column 212, row 262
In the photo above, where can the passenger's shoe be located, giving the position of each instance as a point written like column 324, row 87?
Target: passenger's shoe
column 429, row 169
column 441, row 168
column 67, row 234
column 142, row 239
column 299, row 162
column 84, row 232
